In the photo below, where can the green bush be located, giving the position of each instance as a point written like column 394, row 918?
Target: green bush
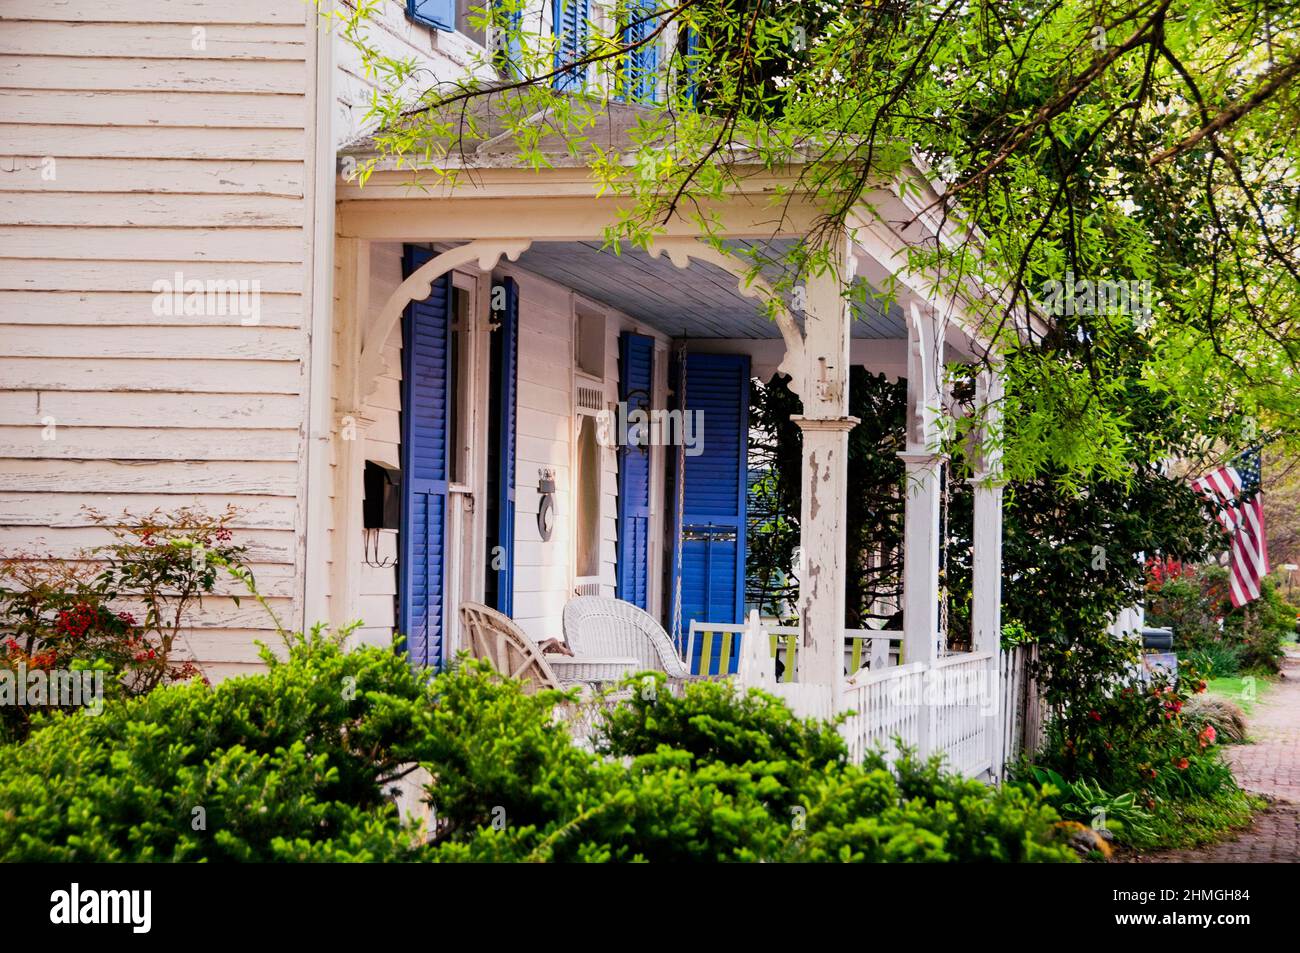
column 1216, row 659
column 1259, row 628
column 286, row 765
column 297, row 764
column 1195, row 601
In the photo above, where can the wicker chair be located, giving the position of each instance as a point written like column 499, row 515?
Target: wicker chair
column 495, row 637
column 596, row 626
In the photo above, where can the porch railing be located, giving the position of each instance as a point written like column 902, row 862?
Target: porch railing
column 977, row 709
column 945, row 708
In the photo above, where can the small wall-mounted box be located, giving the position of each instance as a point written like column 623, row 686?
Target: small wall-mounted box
column 383, row 505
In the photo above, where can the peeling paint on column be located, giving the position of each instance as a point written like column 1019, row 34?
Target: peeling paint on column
column 814, row 503
column 814, row 584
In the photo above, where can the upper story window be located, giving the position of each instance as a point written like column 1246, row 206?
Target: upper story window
column 440, row 14
column 450, row 15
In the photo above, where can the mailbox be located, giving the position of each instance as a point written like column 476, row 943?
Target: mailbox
column 383, row 506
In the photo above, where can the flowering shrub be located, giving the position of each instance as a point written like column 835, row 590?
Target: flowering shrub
column 1135, row 738
column 119, row 607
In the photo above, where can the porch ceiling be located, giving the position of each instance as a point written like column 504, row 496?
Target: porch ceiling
column 700, row 301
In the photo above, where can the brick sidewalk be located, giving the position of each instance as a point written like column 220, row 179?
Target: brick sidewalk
column 1270, row 765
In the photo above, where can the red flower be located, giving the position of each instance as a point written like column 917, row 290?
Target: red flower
column 1208, row 736
column 1094, row 715
column 1181, row 764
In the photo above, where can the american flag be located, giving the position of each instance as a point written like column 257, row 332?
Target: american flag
column 1236, row 488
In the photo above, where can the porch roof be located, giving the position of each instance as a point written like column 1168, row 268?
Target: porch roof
column 567, row 137
column 699, row 301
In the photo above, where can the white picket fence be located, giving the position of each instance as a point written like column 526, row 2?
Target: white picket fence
column 970, row 707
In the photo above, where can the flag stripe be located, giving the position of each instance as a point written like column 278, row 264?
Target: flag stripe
column 1236, row 491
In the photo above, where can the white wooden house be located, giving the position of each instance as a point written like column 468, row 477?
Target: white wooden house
column 466, row 340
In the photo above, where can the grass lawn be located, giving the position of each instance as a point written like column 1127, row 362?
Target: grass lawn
column 1244, row 690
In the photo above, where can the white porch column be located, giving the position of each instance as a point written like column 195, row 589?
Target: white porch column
column 349, row 433
column 986, row 558
column 825, row 425
column 986, row 563
column 921, row 636
column 822, row 544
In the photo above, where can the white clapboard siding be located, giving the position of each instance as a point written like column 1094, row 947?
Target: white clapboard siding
column 117, row 308
column 437, row 53
column 146, row 41
column 71, row 510
column 150, row 12
column 378, row 584
column 139, row 139
column 34, row 274
column 182, row 478
column 162, row 375
column 268, row 546
column 203, row 211
column 37, row 173
column 150, row 142
column 116, row 409
column 233, row 343
column 152, row 244
column 94, row 73
column 174, row 110
column 52, row 441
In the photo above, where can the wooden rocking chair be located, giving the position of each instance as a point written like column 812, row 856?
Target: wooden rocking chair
column 495, row 637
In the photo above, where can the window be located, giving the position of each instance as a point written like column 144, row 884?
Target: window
column 588, row 499
column 589, row 342
column 468, row 11
column 440, row 14
column 450, row 15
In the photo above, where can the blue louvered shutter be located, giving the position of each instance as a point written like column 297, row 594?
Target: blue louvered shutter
column 712, row 563
column 435, row 13
column 635, row 383
column 507, row 320
column 508, row 41
column 640, row 80
column 570, row 19
column 426, row 403
column 690, row 66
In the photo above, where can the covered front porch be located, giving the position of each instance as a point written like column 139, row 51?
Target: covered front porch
column 557, row 419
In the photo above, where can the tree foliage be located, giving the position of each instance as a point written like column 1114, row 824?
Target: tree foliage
column 1120, row 141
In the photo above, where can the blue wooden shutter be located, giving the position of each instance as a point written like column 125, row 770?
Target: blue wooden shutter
column 690, row 67
column 712, row 563
column 570, row 20
column 635, row 383
column 426, row 403
column 507, row 320
column 640, row 80
column 435, row 13
column 508, row 40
